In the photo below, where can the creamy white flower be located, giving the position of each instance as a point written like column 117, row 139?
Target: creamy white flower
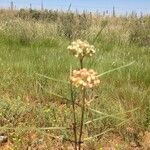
column 84, row 78
column 81, row 48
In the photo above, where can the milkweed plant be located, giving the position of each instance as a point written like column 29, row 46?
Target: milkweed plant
column 82, row 79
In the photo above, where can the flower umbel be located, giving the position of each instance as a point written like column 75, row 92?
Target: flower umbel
column 81, row 48
column 84, row 78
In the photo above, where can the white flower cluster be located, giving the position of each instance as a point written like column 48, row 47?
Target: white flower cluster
column 84, row 78
column 81, row 48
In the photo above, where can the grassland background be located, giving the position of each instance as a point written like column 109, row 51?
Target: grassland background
column 33, row 42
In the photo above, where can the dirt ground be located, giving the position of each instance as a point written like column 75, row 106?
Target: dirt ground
column 107, row 142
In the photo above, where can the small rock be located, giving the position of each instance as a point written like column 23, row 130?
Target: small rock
column 3, row 139
column 133, row 144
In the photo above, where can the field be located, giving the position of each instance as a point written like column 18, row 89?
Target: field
column 33, row 51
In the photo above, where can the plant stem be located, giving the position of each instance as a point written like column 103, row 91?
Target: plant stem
column 82, row 110
column 82, row 117
column 81, row 63
column 74, row 117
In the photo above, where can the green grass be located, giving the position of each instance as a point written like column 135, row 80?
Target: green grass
column 26, row 99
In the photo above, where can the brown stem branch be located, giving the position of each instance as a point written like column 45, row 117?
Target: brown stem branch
column 81, row 63
column 74, row 117
column 82, row 117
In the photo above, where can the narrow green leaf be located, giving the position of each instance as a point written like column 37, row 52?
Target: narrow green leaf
column 33, row 128
column 121, row 67
column 53, row 79
column 95, row 136
column 111, row 129
column 107, row 115
column 52, row 93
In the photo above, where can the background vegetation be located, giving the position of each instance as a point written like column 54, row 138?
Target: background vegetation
column 33, row 42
